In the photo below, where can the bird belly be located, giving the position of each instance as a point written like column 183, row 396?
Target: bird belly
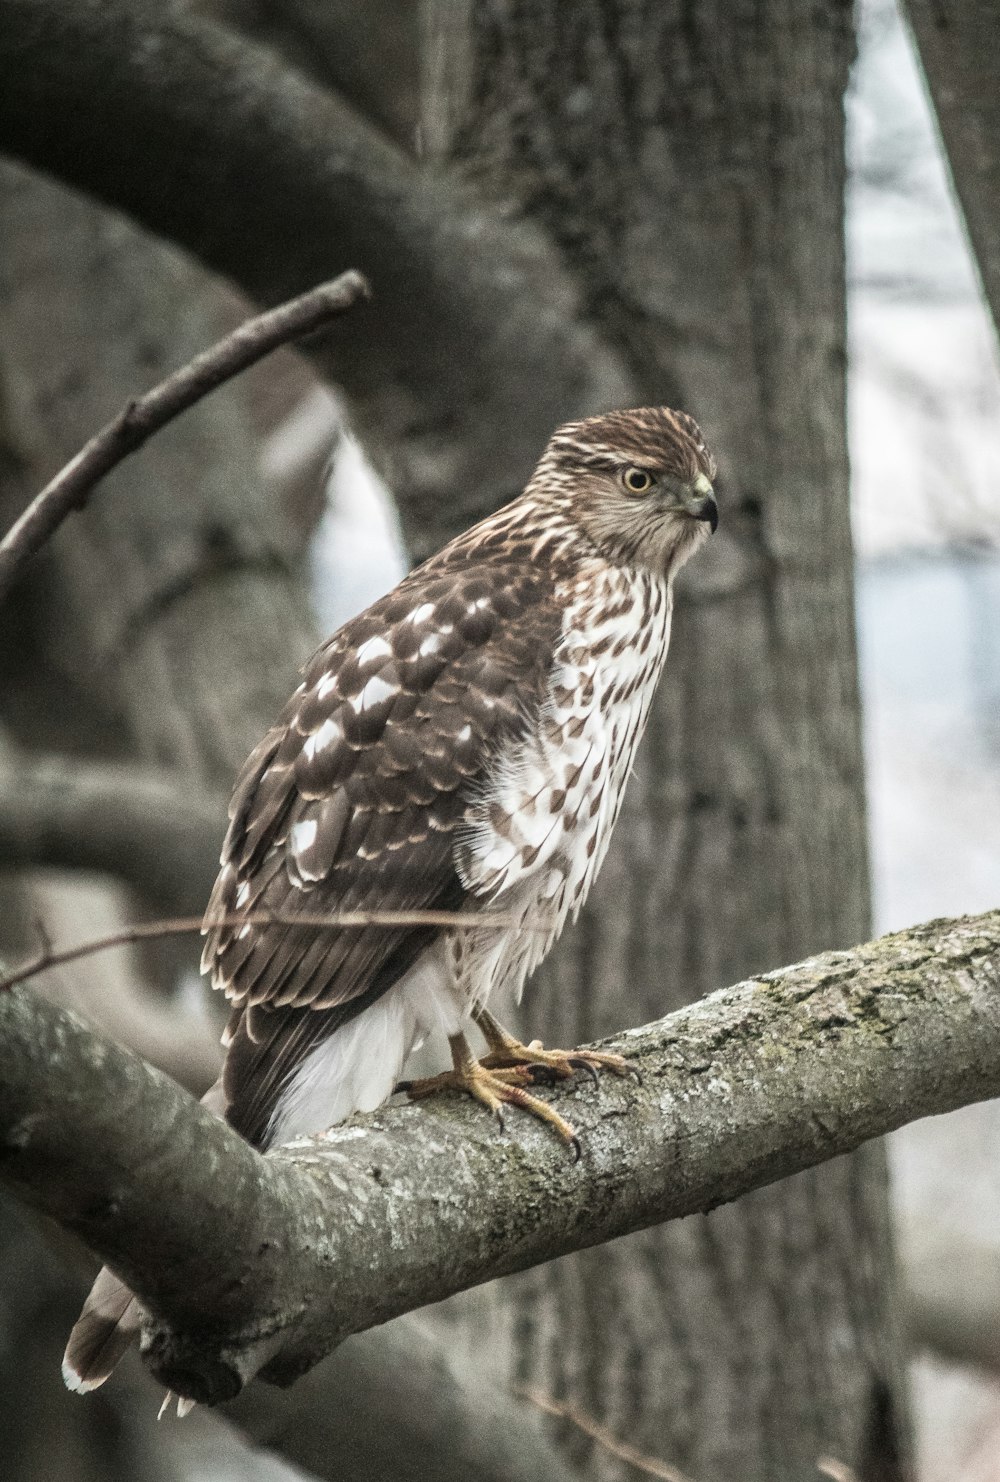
column 542, row 828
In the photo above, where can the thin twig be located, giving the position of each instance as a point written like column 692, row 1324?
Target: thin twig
column 650, row 1465
column 151, row 931
column 136, row 423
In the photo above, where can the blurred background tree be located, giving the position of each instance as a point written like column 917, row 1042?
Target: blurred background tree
column 561, row 207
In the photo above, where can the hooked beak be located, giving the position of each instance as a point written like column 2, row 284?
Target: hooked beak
column 701, row 503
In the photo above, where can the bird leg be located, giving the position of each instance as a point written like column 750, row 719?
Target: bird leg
column 553, row 1065
column 494, row 1087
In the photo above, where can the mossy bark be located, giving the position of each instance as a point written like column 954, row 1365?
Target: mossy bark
column 263, row 1264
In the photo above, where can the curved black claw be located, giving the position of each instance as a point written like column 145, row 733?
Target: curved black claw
column 575, row 1144
column 578, row 1063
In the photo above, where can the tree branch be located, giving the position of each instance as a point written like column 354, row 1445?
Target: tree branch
column 450, row 1422
column 217, row 145
column 140, row 419
column 650, row 1466
column 254, row 1264
column 155, row 931
column 157, row 830
column 957, row 41
column 952, row 1292
column 348, row 47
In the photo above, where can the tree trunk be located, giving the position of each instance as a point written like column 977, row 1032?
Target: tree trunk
column 688, row 162
column 685, row 163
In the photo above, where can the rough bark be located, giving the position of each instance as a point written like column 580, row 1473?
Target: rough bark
column 255, row 1264
column 957, row 40
column 688, row 162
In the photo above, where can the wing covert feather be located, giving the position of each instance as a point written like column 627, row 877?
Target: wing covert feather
column 352, row 800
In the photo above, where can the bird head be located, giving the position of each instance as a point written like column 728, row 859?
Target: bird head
column 638, row 483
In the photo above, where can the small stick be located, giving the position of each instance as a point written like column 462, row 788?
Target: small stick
column 651, row 1466
column 136, row 422
column 150, row 931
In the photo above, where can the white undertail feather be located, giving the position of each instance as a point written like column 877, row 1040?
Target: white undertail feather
column 356, row 1067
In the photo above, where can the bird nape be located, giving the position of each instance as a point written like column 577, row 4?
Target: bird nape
column 461, row 746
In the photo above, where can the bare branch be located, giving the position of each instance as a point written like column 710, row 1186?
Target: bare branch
column 450, row 1421
column 957, row 43
column 214, row 143
column 140, row 419
column 650, row 1466
column 254, row 1264
column 154, row 931
column 156, row 829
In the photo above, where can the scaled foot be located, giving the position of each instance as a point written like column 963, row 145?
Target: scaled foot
column 496, row 1087
column 506, row 1052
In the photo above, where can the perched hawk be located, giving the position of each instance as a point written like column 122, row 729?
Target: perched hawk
column 461, row 746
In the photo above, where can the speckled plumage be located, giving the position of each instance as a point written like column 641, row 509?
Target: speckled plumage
column 463, row 744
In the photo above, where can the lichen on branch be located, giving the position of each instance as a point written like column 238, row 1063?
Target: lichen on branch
column 251, row 1264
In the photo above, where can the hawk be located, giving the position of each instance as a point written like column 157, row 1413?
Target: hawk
column 462, row 746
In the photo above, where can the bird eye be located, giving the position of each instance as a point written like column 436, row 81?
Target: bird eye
column 637, row 480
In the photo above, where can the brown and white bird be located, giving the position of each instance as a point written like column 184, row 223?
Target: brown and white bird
column 461, row 746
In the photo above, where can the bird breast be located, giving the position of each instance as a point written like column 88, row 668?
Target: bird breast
column 541, row 824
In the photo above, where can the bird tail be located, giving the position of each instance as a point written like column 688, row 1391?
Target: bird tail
column 110, row 1321
column 102, row 1334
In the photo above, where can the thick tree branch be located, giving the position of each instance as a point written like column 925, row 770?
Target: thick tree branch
column 141, row 418
column 348, row 47
column 271, row 180
column 957, row 40
column 953, row 1293
column 449, row 1422
column 254, row 1264
column 159, row 832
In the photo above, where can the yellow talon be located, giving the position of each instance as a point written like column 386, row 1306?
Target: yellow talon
column 494, row 1086
column 507, row 1052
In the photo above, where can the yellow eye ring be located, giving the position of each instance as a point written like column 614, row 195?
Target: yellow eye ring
column 637, row 480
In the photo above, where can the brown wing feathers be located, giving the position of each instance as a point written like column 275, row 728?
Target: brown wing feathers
column 352, row 800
